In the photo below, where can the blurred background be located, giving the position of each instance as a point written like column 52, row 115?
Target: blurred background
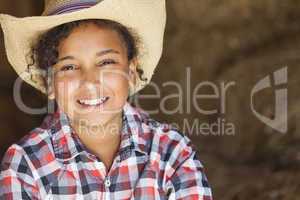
column 217, row 41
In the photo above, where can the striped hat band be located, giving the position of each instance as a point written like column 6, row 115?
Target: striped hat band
column 61, row 7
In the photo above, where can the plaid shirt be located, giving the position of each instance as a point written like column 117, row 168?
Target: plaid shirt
column 154, row 161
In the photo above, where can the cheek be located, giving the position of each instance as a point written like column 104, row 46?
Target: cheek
column 64, row 88
column 117, row 82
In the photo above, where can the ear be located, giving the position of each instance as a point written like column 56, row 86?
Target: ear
column 51, row 93
column 133, row 71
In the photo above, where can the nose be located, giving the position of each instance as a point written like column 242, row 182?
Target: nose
column 90, row 76
column 90, row 80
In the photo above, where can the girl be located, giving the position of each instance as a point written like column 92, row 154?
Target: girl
column 95, row 145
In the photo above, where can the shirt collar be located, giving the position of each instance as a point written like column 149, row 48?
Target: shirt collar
column 67, row 145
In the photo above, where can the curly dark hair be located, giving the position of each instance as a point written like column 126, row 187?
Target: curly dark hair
column 45, row 51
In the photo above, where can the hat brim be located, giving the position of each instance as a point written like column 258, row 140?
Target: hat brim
column 146, row 18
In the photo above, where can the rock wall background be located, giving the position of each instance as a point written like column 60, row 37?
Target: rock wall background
column 219, row 41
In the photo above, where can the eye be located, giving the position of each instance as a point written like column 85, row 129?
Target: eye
column 107, row 62
column 67, row 68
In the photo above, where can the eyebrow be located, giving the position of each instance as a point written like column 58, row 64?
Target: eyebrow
column 101, row 53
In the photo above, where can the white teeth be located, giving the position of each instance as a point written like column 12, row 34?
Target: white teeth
column 93, row 102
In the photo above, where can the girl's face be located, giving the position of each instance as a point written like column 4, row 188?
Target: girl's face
column 92, row 75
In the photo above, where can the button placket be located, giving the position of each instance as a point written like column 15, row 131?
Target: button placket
column 107, row 182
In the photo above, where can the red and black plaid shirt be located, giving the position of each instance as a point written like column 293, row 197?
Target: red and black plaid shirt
column 154, row 161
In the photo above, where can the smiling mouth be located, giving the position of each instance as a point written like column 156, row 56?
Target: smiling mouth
column 92, row 102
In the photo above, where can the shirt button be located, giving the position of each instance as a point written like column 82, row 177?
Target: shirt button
column 107, row 182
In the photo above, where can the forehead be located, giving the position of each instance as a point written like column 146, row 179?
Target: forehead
column 89, row 35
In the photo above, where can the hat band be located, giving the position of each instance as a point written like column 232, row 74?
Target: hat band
column 71, row 8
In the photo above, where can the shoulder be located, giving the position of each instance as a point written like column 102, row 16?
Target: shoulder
column 35, row 137
column 169, row 143
column 161, row 141
column 35, row 148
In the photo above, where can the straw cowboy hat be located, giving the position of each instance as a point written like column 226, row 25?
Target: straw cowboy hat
column 146, row 17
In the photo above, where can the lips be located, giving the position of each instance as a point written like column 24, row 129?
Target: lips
column 92, row 102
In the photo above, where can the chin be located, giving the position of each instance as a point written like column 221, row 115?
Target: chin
column 93, row 118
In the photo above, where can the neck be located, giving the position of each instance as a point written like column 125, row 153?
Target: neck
column 103, row 140
column 100, row 132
